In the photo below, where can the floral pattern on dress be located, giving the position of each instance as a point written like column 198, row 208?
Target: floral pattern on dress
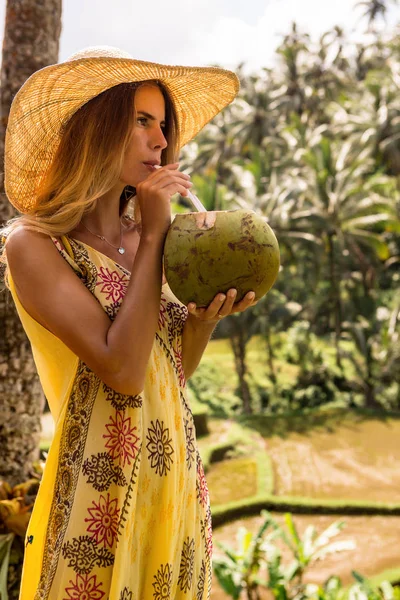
column 122, row 443
column 103, row 520
column 84, row 588
column 190, row 442
column 101, row 472
column 84, row 542
column 206, row 532
column 201, row 581
column 162, row 583
column 179, row 366
column 83, row 555
column 201, row 483
column 112, row 309
column 113, row 284
column 186, row 405
column 162, row 316
column 121, row 401
column 178, row 313
column 187, row 565
column 159, row 447
column 128, row 496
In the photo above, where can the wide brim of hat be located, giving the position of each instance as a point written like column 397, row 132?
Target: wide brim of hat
column 52, row 95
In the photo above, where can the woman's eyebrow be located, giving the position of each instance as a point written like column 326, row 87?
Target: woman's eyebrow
column 148, row 116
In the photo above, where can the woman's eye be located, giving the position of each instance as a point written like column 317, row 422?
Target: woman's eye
column 142, row 120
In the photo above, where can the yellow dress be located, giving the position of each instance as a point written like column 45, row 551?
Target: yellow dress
column 123, row 509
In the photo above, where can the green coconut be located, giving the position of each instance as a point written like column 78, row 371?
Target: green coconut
column 210, row 252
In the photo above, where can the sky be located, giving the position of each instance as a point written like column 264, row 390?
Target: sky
column 200, row 32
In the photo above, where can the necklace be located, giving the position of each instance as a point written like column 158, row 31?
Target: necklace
column 120, row 248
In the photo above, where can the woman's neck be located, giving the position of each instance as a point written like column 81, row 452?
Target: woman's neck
column 105, row 219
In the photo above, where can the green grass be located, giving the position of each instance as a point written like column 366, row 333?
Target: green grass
column 232, row 480
column 265, row 474
column 239, row 479
column 391, row 575
column 44, row 445
column 231, row 511
column 220, row 352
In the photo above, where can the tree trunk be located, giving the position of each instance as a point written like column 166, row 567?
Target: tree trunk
column 370, row 399
column 335, row 298
column 31, row 41
column 268, row 340
column 238, row 344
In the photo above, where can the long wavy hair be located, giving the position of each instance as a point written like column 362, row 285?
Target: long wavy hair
column 88, row 163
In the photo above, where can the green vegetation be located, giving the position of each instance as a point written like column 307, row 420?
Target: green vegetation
column 252, row 506
column 313, row 145
column 258, row 563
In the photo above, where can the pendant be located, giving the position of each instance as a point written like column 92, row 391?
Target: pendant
column 121, row 250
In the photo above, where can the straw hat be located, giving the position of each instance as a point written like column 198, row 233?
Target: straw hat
column 52, row 95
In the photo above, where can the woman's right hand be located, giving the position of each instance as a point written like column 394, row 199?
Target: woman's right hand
column 154, row 196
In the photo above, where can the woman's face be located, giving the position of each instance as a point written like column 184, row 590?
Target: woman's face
column 147, row 140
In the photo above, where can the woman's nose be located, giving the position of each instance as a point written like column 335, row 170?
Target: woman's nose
column 158, row 139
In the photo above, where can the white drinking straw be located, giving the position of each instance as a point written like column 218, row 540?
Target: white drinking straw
column 194, row 199
column 196, row 202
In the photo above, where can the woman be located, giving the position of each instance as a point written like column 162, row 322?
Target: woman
column 122, row 512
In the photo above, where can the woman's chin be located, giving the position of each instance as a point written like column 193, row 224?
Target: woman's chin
column 133, row 181
column 130, row 182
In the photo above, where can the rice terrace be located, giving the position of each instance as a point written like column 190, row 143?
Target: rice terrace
column 332, row 456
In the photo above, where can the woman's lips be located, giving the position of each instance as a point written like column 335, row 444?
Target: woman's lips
column 151, row 166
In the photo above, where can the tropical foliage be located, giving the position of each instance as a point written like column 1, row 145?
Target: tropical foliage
column 257, row 563
column 313, row 145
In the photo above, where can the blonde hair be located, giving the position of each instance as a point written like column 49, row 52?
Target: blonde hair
column 88, row 163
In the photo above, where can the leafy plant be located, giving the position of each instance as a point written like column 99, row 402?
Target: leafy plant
column 242, row 570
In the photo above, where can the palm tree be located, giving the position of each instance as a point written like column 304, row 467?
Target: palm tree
column 295, row 45
column 377, row 365
column 374, row 10
column 353, row 207
column 374, row 113
column 31, row 41
column 254, row 115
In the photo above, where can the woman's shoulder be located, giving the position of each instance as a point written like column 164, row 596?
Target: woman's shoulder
column 23, row 240
column 25, row 247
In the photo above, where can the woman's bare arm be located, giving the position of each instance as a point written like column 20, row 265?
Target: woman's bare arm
column 51, row 293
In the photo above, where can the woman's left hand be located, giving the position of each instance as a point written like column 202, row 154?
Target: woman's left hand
column 222, row 306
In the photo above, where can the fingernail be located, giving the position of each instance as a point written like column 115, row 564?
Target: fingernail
column 232, row 293
column 222, row 297
column 251, row 295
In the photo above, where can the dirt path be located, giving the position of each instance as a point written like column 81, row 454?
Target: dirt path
column 377, row 546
